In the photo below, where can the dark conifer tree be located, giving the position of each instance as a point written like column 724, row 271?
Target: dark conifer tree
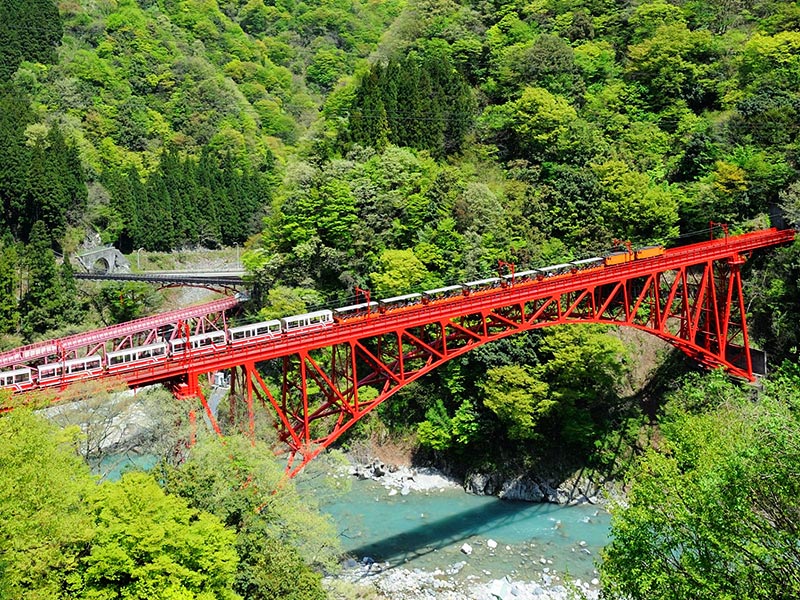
column 157, row 229
column 9, row 286
column 420, row 101
column 15, row 116
column 29, row 30
column 71, row 310
column 43, row 301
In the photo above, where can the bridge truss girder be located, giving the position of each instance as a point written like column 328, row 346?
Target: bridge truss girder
column 316, row 394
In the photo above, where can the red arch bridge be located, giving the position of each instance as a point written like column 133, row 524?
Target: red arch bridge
column 321, row 376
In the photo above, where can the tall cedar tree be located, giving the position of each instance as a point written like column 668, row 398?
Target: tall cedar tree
column 41, row 306
column 29, row 30
column 186, row 202
column 419, row 101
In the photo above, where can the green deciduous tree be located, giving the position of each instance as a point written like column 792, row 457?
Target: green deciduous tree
column 532, row 125
column 150, row 545
column 44, row 525
column 636, row 207
column 712, row 513
column 400, row 271
column 279, row 536
column 518, row 398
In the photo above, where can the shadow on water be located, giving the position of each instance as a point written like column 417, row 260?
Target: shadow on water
column 437, row 534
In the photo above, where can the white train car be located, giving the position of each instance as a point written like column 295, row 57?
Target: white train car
column 70, row 369
column 262, row 329
column 137, row 354
column 318, row 318
column 355, row 310
column 16, row 379
column 200, row 341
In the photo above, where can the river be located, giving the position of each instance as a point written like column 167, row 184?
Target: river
column 425, row 530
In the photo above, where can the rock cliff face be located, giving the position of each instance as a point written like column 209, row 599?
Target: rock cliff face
column 575, row 490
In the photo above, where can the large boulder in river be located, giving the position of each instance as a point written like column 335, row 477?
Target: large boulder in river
column 482, row 484
column 522, row 488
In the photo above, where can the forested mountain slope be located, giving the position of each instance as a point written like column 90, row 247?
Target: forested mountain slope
column 399, row 145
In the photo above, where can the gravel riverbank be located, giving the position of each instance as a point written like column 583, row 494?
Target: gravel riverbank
column 397, row 583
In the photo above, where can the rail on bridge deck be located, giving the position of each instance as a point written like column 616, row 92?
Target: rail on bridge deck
column 321, row 364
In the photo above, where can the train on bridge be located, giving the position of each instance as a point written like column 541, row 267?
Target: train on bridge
column 117, row 362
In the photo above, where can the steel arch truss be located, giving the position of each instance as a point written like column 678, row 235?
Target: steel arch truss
column 318, row 393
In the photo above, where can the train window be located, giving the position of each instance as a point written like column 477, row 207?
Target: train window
column 49, row 371
column 256, row 329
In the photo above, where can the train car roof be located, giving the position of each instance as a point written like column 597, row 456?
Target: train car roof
column 448, row 288
column 257, row 324
column 586, row 261
column 17, row 371
column 76, row 361
column 399, row 298
column 481, row 282
column 526, row 273
column 147, row 347
column 555, row 267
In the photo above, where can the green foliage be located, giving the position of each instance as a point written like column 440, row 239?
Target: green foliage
column 710, row 513
column 120, row 302
column 537, row 122
column 570, row 396
column 399, row 272
column 519, row 400
column 65, row 536
column 50, row 299
column 636, row 207
column 9, row 288
column 42, row 178
column 440, row 432
column 150, row 545
column 189, row 202
column 419, row 101
column 279, row 535
column 30, row 30
column 773, row 287
column 44, row 524
column 282, row 301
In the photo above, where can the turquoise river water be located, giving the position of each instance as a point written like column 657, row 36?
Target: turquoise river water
column 426, row 530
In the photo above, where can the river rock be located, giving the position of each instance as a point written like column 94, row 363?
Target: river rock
column 466, row 549
column 500, row 589
column 522, row 488
column 491, row 543
column 482, row 484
